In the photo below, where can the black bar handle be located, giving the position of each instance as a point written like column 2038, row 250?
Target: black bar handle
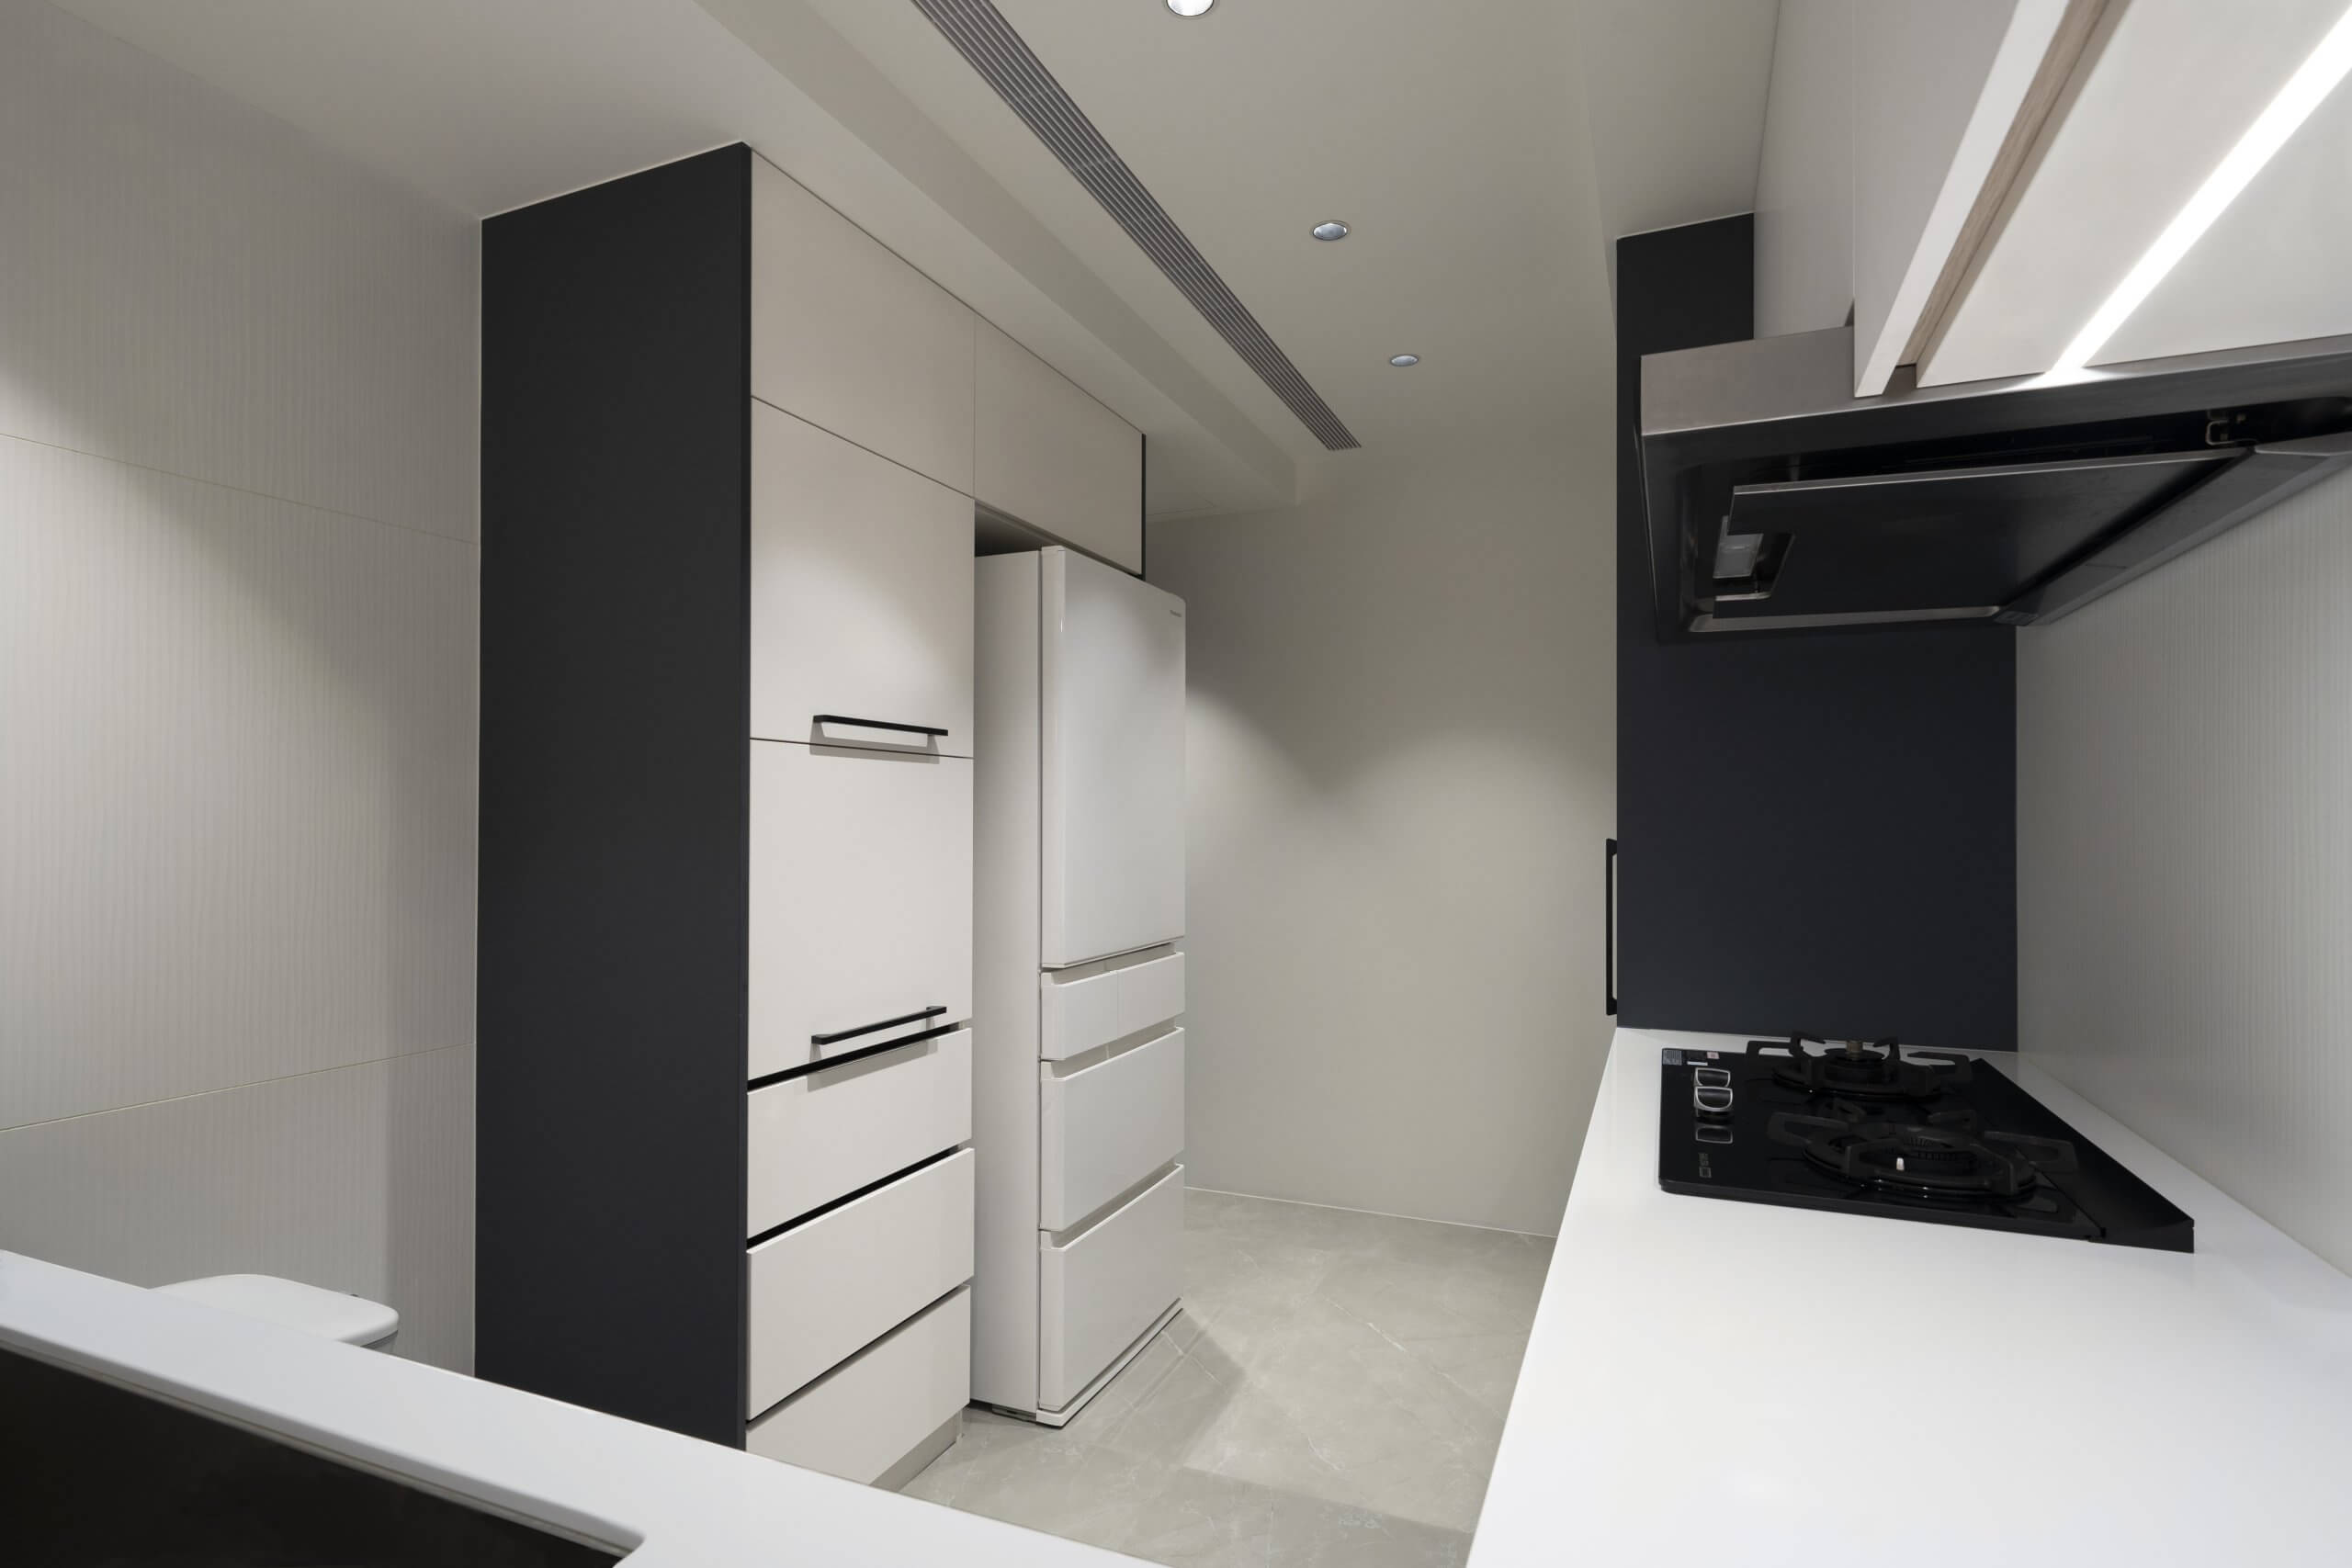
column 872, row 1028
column 860, row 1054
column 1609, row 928
column 877, row 724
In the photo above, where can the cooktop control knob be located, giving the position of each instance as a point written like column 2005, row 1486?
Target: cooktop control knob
column 1711, row 1091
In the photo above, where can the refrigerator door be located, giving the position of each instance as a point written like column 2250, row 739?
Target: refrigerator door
column 1112, row 756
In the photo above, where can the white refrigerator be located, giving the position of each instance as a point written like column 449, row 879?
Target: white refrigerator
column 1079, row 976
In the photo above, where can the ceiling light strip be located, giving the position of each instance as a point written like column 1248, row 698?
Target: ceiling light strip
column 984, row 37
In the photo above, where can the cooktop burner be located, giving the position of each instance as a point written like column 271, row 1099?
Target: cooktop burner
column 1878, row 1128
column 1944, row 1157
column 1876, row 1070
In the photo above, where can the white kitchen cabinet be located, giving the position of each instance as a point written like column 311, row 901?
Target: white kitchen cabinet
column 824, row 1134
column 851, row 338
column 825, row 1290
column 1047, row 452
column 888, row 1411
column 861, row 593
column 2167, row 93
column 805, row 932
column 1099, row 1291
column 861, row 890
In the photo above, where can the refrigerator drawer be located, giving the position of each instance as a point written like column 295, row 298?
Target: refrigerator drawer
column 822, row 1290
column 1096, row 1003
column 826, row 1134
column 1104, row 1128
column 861, row 595
column 861, row 899
column 1102, row 1289
column 876, row 1409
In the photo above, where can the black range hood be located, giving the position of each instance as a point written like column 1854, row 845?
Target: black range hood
column 1777, row 500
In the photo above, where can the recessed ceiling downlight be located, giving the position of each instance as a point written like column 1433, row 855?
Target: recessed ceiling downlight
column 1190, row 7
column 1333, row 229
column 1400, row 360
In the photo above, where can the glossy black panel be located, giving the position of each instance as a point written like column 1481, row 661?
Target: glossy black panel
column 97, row 1477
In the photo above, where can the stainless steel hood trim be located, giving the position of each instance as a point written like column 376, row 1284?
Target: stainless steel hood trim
column 1705, row 623
column 1809, row 375
column 1736, row 405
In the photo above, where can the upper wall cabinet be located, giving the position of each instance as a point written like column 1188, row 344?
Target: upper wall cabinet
column 861, row 593
column 1885, row 119
column 1051, row 455
column 852, row 339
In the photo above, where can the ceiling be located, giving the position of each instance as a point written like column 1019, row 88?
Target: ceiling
column 1484, row 151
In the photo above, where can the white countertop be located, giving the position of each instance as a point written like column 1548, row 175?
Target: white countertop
column 677, row 1502
column 1717, row 1383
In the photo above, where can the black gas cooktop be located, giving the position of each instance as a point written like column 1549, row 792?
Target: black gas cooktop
column 1878, row 1128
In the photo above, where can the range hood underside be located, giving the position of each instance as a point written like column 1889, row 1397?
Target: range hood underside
column 1777, row 500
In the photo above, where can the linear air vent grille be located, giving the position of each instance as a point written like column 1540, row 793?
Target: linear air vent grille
column 984, row 37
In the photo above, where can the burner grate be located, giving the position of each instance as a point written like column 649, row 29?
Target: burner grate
column 1877, row 1070
column 1947, row 1155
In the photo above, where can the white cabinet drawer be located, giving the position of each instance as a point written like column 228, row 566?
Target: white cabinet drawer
column 1104, row 1288
column 1050, row 455
column 861, row 899
column 850, row 337
column 823, row 1291
column 1093, row 1004
column 1106, row 1127
column 861, row 593
column 828, row 1132
column 867, row 1414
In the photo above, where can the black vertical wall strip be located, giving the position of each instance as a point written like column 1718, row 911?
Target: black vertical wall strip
column 615, row 795
column 1818, row 830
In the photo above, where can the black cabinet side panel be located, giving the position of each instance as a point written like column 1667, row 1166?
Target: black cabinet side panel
column 615, row 795
column 1818, row 830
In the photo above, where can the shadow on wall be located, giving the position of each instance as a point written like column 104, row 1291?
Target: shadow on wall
column 1401, row 772
column 236, row 936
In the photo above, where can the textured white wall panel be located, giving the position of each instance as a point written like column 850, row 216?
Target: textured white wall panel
column 236, row 787
column 193, row 286
column 2185, row 861
column 239, row 609
column 357, row 1180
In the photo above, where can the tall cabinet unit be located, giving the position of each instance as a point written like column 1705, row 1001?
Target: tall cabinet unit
column 725, row 1108
column 1080, row 1074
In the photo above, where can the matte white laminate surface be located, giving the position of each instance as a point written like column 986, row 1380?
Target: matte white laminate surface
column 861, row 871
column 849, row 337
column 673, row 1502
column 1112, row 775
column 1684, row 1399
column 861, row 593
column 1051, row 455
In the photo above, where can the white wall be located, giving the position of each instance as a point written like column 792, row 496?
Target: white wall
column 2185, row 861
column 238, row 612
column 1402, row 766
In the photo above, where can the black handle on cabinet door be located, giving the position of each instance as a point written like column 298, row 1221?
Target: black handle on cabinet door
column 836, row 1039
column 877, row 724
column 1608, row 926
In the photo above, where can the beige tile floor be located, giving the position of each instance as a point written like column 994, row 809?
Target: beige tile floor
column 1331, row 1394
